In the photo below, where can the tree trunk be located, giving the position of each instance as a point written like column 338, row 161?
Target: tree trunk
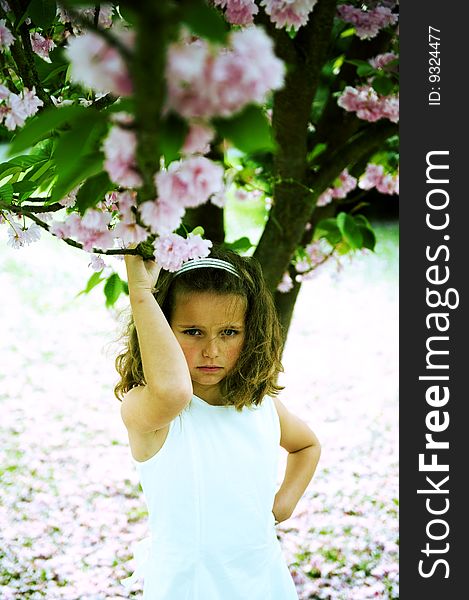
column 210, row 217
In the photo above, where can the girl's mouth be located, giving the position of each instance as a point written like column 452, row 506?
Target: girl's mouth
column 209, row 369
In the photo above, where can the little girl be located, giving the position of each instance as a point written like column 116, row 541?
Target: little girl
column 198, row 388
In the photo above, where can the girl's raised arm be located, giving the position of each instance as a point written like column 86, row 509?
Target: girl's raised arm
column 168, row 386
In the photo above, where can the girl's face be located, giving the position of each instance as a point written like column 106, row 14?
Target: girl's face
column 210, row 330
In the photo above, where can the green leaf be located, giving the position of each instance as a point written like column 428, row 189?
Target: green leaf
column 93, row 281
column 6, row 193
column 368, row 236
column 199, row 230
column 27, row 160
column 173, row 132
column 88, row 165
column 364, row 69
column 383, row 85
column 6, row 169
column 112, row 289
column 240, row 245
column 48, row 120
column 327, row 228
column 79, row 140
column 42, row 12
column 36, row 173
column 349, row 230
column 249, row 130
column 92, row 191
column 24, row 186
column 48, row 71
column 204, row 20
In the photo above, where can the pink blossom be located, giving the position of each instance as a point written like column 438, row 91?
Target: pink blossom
column 19, row 236
column 325, row 198
column 41, row 45
column 171, row 251
column 368, row 105
column 99, row 66
column 381, row 60
column 125, row 202
column 238, row 12
column 190, row 182
column 375, row 176
column 367, row 23
column 317, row 251
column 96, row 262
column 119, row 149
column 91, row 229
column 347, row 183
column 198, row 139
column 161, row 216
column 130, row 233
column 6, row 37
column 18, row 107
column 4, row 92
column 197, row 246
column 289, row 13
column 70, row 198
column 204, row 83
column 286, row 284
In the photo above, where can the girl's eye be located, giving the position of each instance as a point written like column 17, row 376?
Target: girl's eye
column 230, row 332
column 191, row 331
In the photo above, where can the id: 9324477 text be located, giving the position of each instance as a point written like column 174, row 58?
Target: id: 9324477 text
column 434, row 68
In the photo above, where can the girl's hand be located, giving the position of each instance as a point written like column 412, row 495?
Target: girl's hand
column 141, row 274
column 281, row 510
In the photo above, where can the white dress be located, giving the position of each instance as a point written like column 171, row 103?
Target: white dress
column 209, row 493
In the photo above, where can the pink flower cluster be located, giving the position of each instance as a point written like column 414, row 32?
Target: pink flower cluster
column 41, row 45
column 119, row 150
column 19, row 236
column 381, row 60
column 202, row 83
column 99, row 66
column 375, row 177
column 286, row 284
column 104, row 19
column 6, row 37
column 198, row 139
column 368, row 104
column 346, row 184
column 186, row 183
column 238, row 12
column 91, row 230
column 367, row 23
column 128, row 230
column 16, row 108
column 316, row 253
column 289, row 13
column 172, row 250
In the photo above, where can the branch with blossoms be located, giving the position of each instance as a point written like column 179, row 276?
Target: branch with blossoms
column 138, row 120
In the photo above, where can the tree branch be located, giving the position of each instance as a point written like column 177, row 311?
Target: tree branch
column 156, row 23
column 19, row 211
column 290, row 118
column 23, row 56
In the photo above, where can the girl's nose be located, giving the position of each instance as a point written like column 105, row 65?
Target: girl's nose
column 211, row 348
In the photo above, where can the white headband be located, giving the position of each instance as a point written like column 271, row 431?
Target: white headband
column 215, row 263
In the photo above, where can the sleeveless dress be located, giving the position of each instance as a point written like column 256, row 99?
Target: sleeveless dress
column 209, row 493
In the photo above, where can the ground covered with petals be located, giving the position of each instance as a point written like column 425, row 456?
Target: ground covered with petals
column 70, row 504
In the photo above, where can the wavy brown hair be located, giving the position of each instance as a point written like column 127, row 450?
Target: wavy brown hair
column 256, row 372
